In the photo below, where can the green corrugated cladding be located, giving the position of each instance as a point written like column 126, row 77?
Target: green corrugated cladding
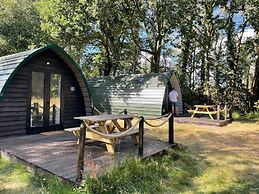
column 11, row 64
column 140, row 94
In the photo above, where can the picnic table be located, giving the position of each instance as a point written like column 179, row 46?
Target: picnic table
column 106, row 125
column 204, row 109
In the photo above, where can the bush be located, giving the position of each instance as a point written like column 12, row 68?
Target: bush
column 256, row 105
column 236, row 115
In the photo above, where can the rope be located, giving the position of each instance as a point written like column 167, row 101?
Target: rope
column 159, row 125
column 112, row 136
column 161, row 117
column 98, row 112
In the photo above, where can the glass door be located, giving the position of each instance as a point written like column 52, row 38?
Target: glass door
column 45, row 107
column 37, row 99
column 55, row 99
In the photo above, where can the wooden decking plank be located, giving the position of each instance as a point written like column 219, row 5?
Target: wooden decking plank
column 203, row 121
column 56, row 152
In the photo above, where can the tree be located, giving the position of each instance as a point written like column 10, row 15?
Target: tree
column 96, row 32
column 157, row 22
column 19, row 26
column 252, row 13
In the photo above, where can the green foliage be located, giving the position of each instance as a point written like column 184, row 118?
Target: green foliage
column 256, row 105
column 51, row 184
column 236, row 115
column 132, row 176
column 252, row 116
column 19, row 26
column 215, row 63
column 149, row 176
column 95, row 32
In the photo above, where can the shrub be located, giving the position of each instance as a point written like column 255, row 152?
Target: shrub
column 256, row 105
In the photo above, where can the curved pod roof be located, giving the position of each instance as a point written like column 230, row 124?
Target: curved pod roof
column 11, row 64
column 139, row 94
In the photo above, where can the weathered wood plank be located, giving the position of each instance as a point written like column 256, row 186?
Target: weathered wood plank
column 56, row 152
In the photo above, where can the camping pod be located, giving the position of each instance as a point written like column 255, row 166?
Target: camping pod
column 145, row 95
column 41, row 90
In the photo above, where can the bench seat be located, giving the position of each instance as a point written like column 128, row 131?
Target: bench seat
column 77, row 130
column 91, row 135
column 203, row 112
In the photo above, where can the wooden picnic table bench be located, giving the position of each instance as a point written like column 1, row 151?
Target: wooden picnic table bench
column 204, row 109
column 97, row 129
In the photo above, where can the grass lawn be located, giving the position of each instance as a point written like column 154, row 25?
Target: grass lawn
column 212, row 160
column 15, row 179
column 228, row 157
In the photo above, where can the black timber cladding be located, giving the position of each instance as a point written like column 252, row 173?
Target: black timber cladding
column 15, row 80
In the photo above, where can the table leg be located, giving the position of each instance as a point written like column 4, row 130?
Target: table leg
column 207, row 109
column 118, row 126
column 194, row 112
column 134, row 137
column 109, row 146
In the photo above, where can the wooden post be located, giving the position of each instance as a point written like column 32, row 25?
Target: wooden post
column 54, row 114
column 171, row 129
column 218, row 112
column 125, row 123
column 226, row 112
column 141, row 136
column 81, row 151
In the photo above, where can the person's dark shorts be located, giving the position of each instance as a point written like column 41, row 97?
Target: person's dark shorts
column 173, row 104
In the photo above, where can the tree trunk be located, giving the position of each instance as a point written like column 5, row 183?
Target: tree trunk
column 185, row 61
column 202, row 70
column 231, row 53
column 256, row 78
column 108, row 64
column 155, row 62
column 155, row 59
column 207, row 70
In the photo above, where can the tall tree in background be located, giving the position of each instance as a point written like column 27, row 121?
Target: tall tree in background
column 100, row 26
column 112, row 36
column 157, row 21
column 215, row 63
column 206, row 27
column 67, row 23
column 19, row 26
column 252, row 13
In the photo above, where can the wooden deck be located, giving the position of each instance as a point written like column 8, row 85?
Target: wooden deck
column 202, row 121
column 56, row 153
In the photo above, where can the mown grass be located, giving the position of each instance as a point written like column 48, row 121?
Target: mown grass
column 213, row 160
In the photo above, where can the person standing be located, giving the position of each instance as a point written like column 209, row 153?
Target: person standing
column 173, row 96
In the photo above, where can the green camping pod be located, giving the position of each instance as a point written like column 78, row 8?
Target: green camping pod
column 140, row 94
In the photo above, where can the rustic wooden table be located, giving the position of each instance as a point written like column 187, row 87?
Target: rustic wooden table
column 107, row 124
column 204, row 109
